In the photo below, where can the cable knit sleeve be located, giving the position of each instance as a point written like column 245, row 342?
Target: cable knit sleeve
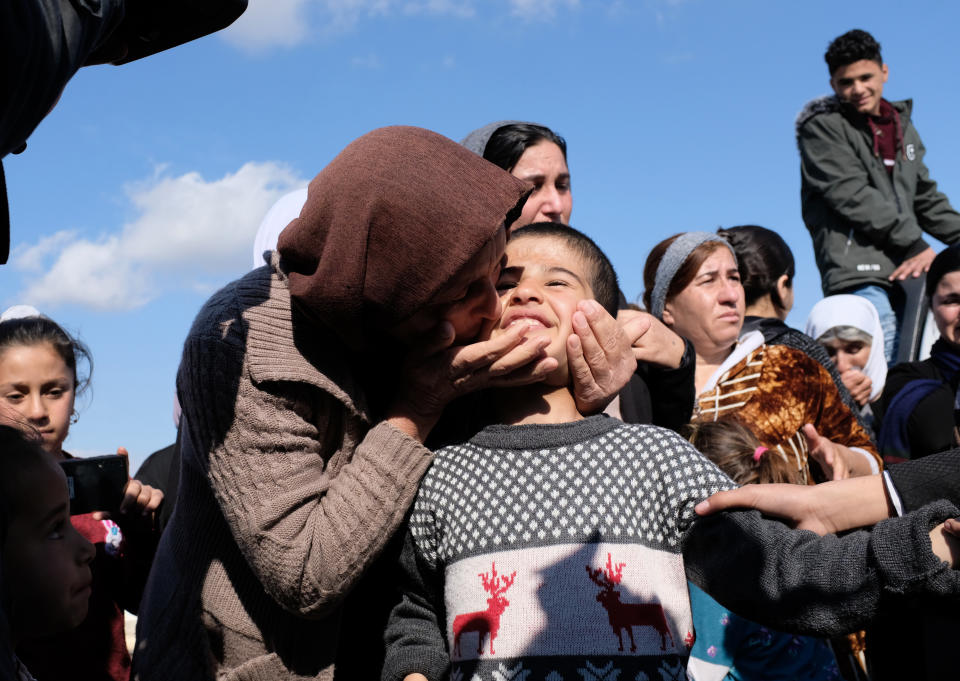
column 310, row 492
column 797, row 581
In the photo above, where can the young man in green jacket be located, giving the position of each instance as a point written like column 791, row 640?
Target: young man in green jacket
column 867, row 195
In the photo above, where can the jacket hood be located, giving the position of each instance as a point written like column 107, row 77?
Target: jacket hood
column 832, row 104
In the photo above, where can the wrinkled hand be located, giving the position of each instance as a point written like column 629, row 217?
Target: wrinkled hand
column 652, row 341
column 439, row 372
column 138, row 499
column 915, row 266
column 859, row 385
column 826, row 508
column 835, row 460
column 796, row 505
column 600, row 356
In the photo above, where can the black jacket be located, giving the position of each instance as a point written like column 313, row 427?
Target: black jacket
column 932, row 426
column 863, row 222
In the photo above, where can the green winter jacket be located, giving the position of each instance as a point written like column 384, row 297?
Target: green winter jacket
column 863, row 222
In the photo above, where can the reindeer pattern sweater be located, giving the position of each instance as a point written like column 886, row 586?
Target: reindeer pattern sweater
column 551, row 552
column 557, row 553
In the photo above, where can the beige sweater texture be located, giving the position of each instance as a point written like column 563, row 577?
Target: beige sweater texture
column 288, row 492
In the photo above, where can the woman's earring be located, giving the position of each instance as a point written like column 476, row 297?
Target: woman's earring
column 74, row 417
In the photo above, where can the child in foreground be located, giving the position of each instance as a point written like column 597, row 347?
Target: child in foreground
column 729, row 647
column 45, row 574
column 39, row 382
column 555, row 546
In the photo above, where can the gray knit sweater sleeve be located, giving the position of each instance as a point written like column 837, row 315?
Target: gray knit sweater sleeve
column 797, row 581
column 310, row 492
column 414, row 636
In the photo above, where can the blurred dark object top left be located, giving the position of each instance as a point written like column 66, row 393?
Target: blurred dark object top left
column 44, row 42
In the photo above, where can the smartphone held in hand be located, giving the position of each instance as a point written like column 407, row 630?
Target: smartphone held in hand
column 96, row 483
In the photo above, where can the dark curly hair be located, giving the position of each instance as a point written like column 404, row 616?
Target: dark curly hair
column 507, row 144
column 851, row 47
column 763, row 257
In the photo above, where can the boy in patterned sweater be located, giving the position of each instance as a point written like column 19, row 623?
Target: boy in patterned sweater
column 554, row 547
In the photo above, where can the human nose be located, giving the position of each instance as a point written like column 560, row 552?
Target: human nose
column 34, row 408
column 552, row 206
column 731, row 292
column 84, row 550
column 842, row 360
column 524, row 292
column 488, row 305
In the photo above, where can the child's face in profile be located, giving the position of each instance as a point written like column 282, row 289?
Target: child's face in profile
column 541, row 284
column 46, row 562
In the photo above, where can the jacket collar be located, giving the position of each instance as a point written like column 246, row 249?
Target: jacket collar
column 276, row 351
column 832, row 104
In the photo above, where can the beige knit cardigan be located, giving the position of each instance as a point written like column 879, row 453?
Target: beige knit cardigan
column 288, row 492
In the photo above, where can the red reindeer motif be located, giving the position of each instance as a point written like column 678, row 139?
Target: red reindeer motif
column 484, row 621
column 627, row 615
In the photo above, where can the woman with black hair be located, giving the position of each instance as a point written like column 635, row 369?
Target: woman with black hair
column 665, row 362
column 534, row 153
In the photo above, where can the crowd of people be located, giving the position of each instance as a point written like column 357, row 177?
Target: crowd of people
column 427, row 437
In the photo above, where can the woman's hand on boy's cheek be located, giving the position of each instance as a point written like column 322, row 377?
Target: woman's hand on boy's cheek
column 652, row 341
column 599, row 355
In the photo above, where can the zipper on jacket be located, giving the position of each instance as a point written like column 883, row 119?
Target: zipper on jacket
column 846, row 248
column 893, row 184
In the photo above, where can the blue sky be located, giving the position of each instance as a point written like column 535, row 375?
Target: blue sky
column 140, row 194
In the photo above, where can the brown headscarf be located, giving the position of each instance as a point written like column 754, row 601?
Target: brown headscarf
column 387, row 223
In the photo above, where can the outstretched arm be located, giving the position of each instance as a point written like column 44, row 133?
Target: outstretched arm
column 827, row 508
column 796, row 581
column 843, row 505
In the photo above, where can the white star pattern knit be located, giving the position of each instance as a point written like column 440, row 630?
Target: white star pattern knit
column 552, row 552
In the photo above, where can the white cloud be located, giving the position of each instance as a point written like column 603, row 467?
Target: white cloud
column 32, row 257
column 463, row 10
column 540, row 9
column 269, row 23
column 286, row 23
column 186, row 230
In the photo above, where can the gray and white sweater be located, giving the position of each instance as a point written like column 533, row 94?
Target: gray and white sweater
column 559, row 552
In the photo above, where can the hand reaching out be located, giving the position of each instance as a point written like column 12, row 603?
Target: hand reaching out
column 652, row 341
column 835, row 460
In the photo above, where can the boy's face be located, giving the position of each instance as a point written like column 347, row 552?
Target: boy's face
column 541, row 284
column 860, row 85
column 46, row 562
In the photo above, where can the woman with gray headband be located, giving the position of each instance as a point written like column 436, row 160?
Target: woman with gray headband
column 786, row 398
